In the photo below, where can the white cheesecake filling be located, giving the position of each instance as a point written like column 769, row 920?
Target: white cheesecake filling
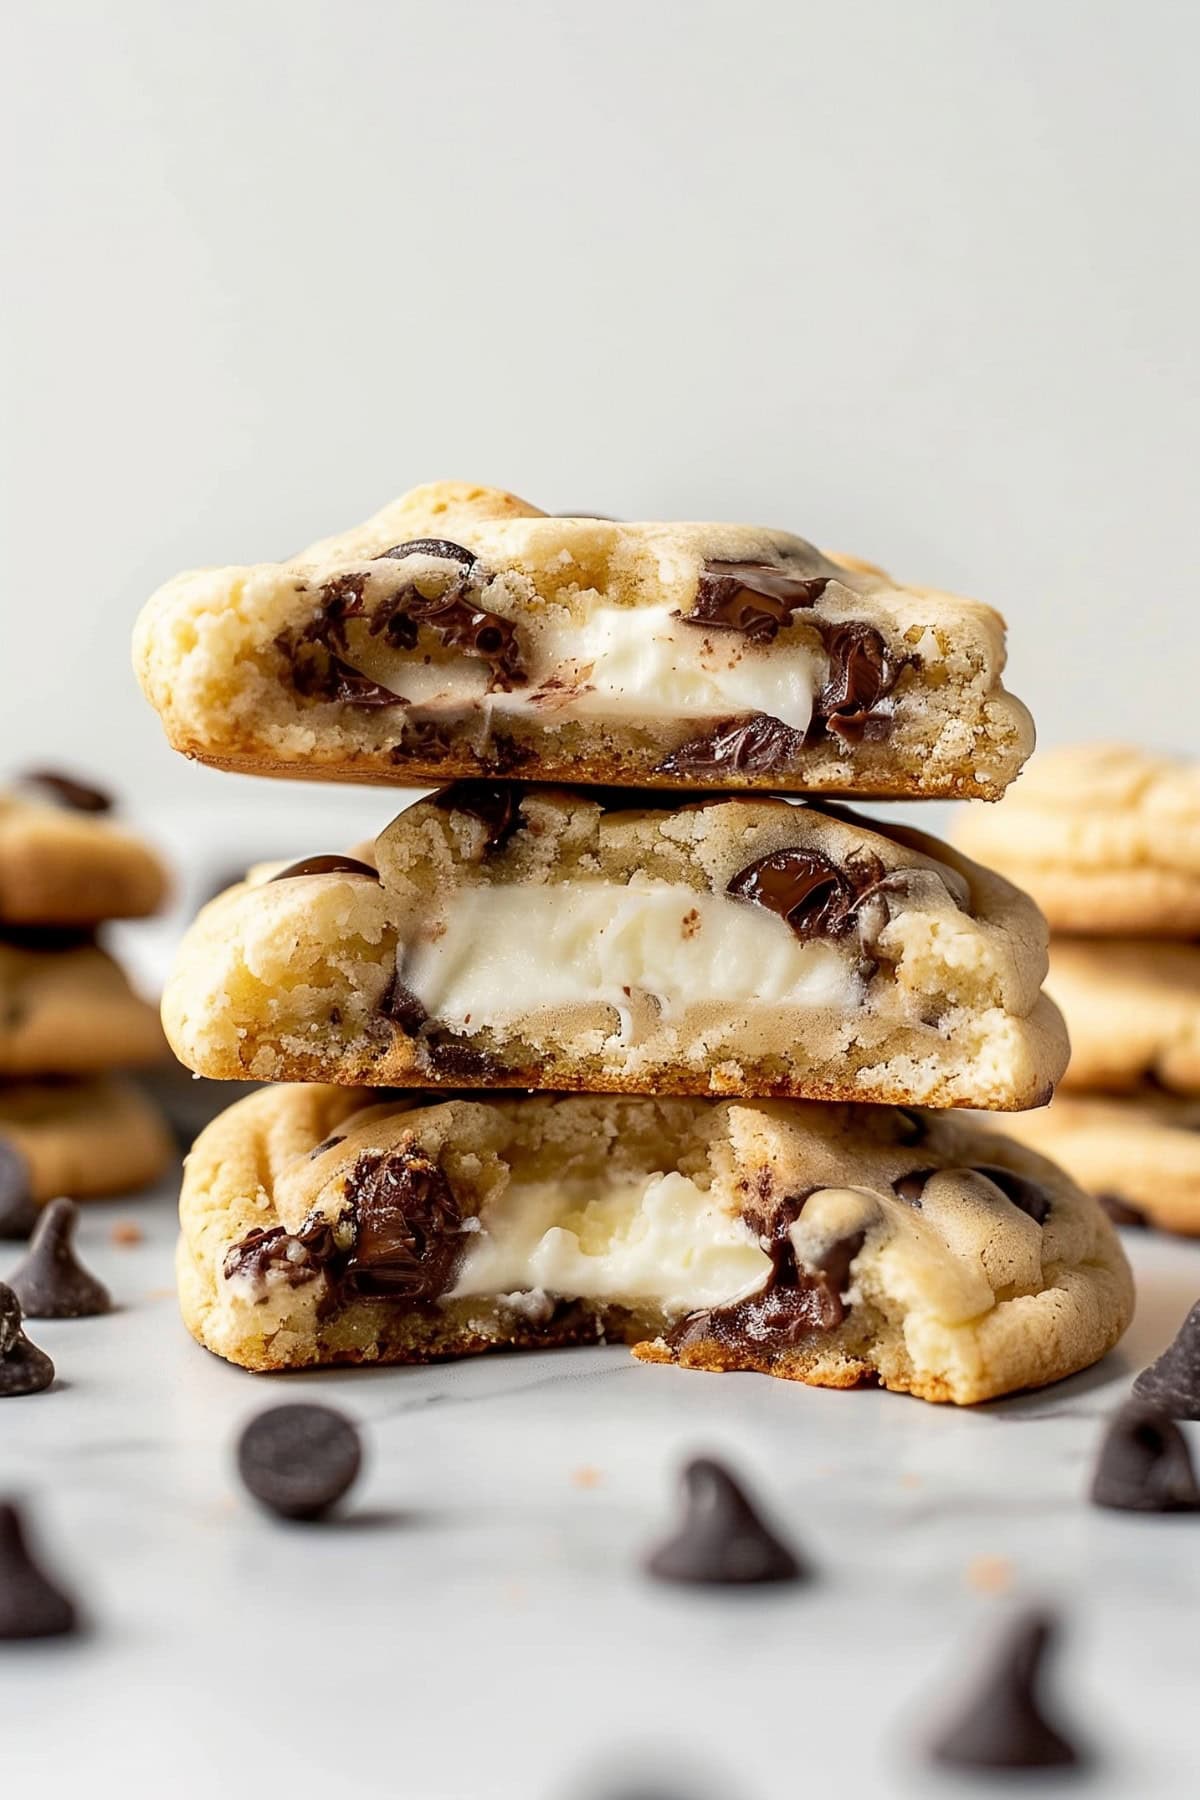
column 638, row 662
column 658, row 1240
column 501, row 952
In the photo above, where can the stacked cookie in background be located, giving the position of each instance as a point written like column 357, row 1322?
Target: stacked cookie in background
column 69, row 1019
column 1106, row 838
column 736, row 1024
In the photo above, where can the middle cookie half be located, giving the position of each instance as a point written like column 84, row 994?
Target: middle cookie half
column 578, row 939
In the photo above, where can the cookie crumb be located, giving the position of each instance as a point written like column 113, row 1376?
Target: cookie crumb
column 126, row 1232
column 990, row 1574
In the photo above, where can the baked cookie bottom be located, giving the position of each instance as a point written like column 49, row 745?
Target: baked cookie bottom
column 547, row 938
column 1139, row 1150
column 1132, row 1008
column 826, row 1244
column 87, row 1139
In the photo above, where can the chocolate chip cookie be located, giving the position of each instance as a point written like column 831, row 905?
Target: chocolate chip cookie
column 63, row 863
column 461, row 632
column 83, row 1138
column 1132, row 1008
column 575, row 939
column 70, row 1011
column 1137, row 1151
column 827, row 1244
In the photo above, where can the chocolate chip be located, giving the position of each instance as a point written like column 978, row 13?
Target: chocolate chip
column 24, row 1369
column 910, row 1187
column 861, row 674
column 754, row 598
column 1004, row 1726
column 1144, row 1464
column 1026, row 1195
column 442, row 548
column 721, row 1537
column 494, row 803
column 18, row 1208
column 298, row 1461
column 401, row 1006
column 814, row 896
column 408, row 1236
column 1173, row 1382
column 49, row 1281
column 327, row 865
column 1123, row 1212
column 294, row 1257
column 31, row 1604
column 756, row 745
column 65, row 790
column 329, row 1143
column 457, row 620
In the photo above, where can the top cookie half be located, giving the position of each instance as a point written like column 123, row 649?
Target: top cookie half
column 462, row 632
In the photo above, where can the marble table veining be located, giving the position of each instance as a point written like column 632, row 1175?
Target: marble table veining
column 476, row 1626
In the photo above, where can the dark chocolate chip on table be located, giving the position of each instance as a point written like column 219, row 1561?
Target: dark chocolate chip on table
column 49, row 1281
column 1004, row 1724
column 298, row 1461
column 1144, row 1464
column 721, row 1538
column 327, row 865
column 24, row 1369
column 32, row 1605
column 1173, row 1382
column 18, row 1208
column 77, row 796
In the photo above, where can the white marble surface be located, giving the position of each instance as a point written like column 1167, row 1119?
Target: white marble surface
column 476, row 1626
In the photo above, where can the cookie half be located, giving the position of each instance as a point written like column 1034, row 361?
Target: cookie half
column 461, row 632
column 71, row 1011
column 83, row 1138
column 1106, row 837
column 562, row 938
column 826, row 1244
column 1133, row 1012
column 1135, row 1151
column 61, row 865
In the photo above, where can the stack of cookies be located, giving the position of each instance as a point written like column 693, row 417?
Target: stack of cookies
column 669, row 1062
column 1106, row 838
column 68, row 1016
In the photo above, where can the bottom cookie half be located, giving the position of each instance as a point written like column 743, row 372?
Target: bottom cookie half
column 828, row 1244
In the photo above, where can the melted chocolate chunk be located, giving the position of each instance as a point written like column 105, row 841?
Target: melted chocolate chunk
column 409, row 1226
column 861, row 675
column 756, row 745
column 32, row 1605
column 327, row 865
column 496, row 804
column 1173, row 1382
column 24, row 1369
column 1003, row 1726
column 721, row 1538
column 1145, row 1464
column 442, row 548
column 298, row 1461
column 755, row 598
column 65, row 790
column 18, row 1208
column 401, row 1006
column 450, row 1059
column 456, row 619
column 1123, row 1213
column 49, row 1281
column 910, row 1187
column 295, row 1257
column 803, row 887
column 329, row 1143
column 1024, row 1194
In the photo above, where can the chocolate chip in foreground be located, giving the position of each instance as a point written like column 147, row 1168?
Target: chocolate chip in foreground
column 1003, row 1726
column 1144, row 1464
column 31, row 1604
column 18, row 1208
column 298, row 1461
column 77, row 796
column 721, row 1538
column 1173, row 1382
column 24, row 1369
column 49, row 1281
column 327, row 865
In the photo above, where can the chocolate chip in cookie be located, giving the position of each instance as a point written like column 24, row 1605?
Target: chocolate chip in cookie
column 298, row 1461
column 65, row 790
column 18, row 1208
column 24, row 1369
column 721, row 1538
column 32, row 1605
column 327, row 865
column 49, row 1281
column 1003, row 1725
column 1173, row 1382
column 1144, row 1464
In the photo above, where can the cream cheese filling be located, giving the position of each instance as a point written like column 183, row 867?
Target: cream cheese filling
column 638, row 662
column 499, row 953
column 656, row 1240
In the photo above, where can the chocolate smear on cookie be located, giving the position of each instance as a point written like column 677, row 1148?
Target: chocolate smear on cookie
column 294, row 1257
column 32, row 1604
column 408, row 1226
column 1145, row 1464
column 66, row 790
column 50, row 1281
column 1004, row 1725
column 757, row 599
column 327, row 865
column 496, row 804
column 24, row 1369
column 1173, row 1382
column 18, row 1208
column 299, row 1460
column 721, row 1538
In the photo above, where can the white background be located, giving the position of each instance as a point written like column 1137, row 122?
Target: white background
column 918, row 280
